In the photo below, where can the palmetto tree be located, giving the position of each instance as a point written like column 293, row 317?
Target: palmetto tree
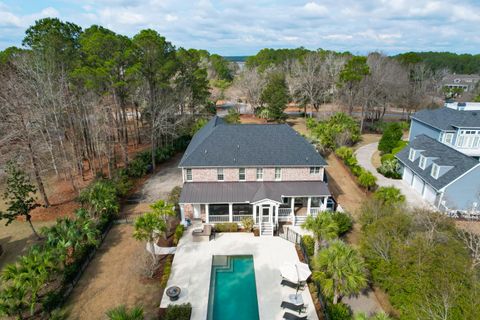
column 164, row 210
column 122, row 313
column 377, row 316
column 340, row 270
column 148, row 227
column 323, row 227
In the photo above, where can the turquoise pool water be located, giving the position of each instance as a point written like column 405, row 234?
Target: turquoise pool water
column 233, row 293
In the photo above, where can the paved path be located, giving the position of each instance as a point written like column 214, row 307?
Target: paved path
column 364, row 157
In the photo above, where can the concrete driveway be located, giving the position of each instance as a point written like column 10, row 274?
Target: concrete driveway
column 161, row 183
column 364, row 157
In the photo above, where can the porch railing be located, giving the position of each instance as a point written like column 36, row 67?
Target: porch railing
column 284, row 214
column 239, row 218
column 315, row 211
column 218, row 218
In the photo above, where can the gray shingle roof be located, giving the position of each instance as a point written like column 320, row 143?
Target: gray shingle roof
column 224, row 192
column 219, row 144
column 445, row 156
column 448, row 119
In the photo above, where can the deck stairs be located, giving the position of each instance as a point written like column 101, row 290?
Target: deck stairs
column 267, row 229
column 299, row 220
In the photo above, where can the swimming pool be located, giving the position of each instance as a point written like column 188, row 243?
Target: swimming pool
column 233, row 293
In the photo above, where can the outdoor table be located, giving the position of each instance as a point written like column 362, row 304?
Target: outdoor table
column 296, row 299
column 173, row 293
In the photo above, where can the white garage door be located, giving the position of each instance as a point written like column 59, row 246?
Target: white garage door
column 407, row 175
column 418, row 184
column 429, row 194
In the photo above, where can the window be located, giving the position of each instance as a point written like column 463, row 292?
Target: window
column 468, row 139
column 314, row 170
column 435, row 171
column 259, row 173
column 411, row 155
column 220, row 176
column 448, row 138
column 278, row 173
column 188, row 174
column 423, row 162
column 286, row 200
column 241, row 174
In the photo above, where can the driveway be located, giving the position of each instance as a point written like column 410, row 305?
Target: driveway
column 161, row 183
column 364, row 157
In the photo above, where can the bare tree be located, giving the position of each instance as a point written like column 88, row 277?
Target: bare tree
column 471, row 241
column 251, row 83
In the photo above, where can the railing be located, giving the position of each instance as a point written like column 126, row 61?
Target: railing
column 218, row 218
column 315, row 211
column 265, row 219
column 239, row 218
column 284, row 214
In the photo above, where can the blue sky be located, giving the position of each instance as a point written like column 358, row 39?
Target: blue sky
column 242, row 27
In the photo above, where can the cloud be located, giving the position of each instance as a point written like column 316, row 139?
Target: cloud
column 244, row 26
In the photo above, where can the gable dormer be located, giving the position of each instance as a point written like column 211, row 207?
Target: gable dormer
column 425, row 161
column 438, row 170
column 414, row 154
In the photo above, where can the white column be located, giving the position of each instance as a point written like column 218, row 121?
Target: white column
column 276, row 214
column 309, row 205
column 324, row 203
column 230, row 212
column 207, row 214
column 182, row 212
column 292, row 214
column 254, row 213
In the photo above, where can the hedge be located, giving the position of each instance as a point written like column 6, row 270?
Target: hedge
column 226, row 227
column 178, row 312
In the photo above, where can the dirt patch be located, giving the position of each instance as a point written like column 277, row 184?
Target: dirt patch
column 250, row 118
column 159, row 185
column 376, row 159
column 471, row 226
column 113, row 278
column 299, row 125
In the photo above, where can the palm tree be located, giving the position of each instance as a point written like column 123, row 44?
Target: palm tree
column 147, row 228
column 340, row 270
column 164, row 210
column 323, row 227
column 377, row 316
column 122, row 313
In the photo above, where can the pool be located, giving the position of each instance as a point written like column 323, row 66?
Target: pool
column 233, row 293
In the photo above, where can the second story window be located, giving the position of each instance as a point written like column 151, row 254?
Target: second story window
column 411, row 155
column 259, row 173
column 423, row 162
column 220, row 176
column 314, row 170
column 278, row 173
column 188, row 174
column 241, row 174
column 435, row 171
column 448, row 138
column 468, row 139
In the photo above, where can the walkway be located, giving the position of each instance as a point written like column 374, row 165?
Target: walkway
column 364, row 157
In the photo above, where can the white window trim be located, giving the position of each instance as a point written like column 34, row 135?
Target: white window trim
column 411, row 155
column 435, row 166
column 448, row 136
column 244, row 174
column 187, row 170
column 315, row 170
column 259, row 172
column 222, row 173
column 423, row 162
column 280, row 175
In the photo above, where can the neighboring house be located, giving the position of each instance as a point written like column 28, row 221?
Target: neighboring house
column 445, row 177
column 463, row 106
column 268, row 172
column 459, row 129
column 467, row 82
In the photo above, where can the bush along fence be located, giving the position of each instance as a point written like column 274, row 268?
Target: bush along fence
column 306, row 247
column 41, row 280
column 364, row 178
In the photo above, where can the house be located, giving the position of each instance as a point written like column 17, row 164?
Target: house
column 446, row 178
column 268, row 172
column 467, row 82
column 457, row 128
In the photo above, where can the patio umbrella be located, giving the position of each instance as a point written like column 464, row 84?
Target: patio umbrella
column 295, row 272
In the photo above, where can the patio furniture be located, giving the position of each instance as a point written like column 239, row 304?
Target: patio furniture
column 291, row 316
column 173, row 293
column 294, row 307
column 294, row 285
column 295, row 299
column 207, row 231
column 295, row 272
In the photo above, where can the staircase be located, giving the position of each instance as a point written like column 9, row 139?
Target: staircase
column 266, row 229
column 299, row 220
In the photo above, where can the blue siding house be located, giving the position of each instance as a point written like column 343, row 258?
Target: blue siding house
column 441, row 161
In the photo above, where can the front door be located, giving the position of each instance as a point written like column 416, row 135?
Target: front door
column 266, row 216
column 196, row 211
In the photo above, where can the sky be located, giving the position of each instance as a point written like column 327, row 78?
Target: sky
column 242, row 27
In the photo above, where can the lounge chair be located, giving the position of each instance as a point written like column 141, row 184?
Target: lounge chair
column 293, row 285
column 207, row 231
column 294, row 307
column 291, row 316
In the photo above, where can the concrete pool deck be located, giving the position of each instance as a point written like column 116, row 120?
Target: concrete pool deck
column 192, row 266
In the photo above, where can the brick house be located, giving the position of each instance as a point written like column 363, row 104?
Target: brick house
column 268, row 172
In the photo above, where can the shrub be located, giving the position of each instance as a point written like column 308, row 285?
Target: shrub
column 356, row 170
column 344, row 152
column 248, row 224
column 178, row 312
column 390, row 138
column 174, row 195
column 366, row 179
column 386, row 157
column 226, row 227
column 166, row 272
column 100, row 197
column 400, row 145
column 137, row 168
column 122, row 183
column 339, row 130
column 309, row 245
column 178, row 233
column 389, row 169
column 344, row 222
column 339, row 311
column 389, row 196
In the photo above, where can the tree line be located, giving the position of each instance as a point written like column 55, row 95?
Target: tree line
column 74, row 102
